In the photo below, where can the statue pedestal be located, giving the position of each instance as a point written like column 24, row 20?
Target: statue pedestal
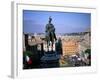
column 50, row 59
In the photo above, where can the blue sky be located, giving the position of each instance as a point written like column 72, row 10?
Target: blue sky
column 64, row 22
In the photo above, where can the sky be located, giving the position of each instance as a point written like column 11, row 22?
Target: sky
column 64, row 22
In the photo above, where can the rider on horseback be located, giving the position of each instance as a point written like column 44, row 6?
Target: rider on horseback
column 50, row 30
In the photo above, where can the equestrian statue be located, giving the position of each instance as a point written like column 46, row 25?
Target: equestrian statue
column 50, row 34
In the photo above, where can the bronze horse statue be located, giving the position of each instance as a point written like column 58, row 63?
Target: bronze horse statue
column 50, row 34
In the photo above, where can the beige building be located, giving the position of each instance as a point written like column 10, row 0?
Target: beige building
column 69, row 47
column 76, row 44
